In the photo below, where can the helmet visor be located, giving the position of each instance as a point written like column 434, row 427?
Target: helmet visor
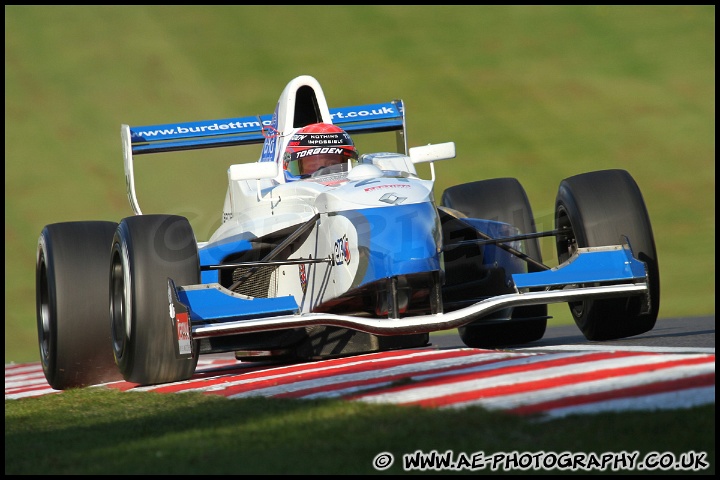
column 307, row 161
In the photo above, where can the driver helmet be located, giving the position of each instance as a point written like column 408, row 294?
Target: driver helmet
column 314, row 147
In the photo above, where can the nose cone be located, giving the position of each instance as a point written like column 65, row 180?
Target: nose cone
column 374, row 191
column 397, row 240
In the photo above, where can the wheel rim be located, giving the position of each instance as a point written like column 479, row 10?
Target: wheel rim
column 44, row 312
column 119, row 303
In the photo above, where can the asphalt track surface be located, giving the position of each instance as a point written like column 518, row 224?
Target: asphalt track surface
column 670, row 367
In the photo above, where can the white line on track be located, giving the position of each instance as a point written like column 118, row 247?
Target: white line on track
column 662, row 401
column 421, row 393
column 621, row 348
column 589, row 387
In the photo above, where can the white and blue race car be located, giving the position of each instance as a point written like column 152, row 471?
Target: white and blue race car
column 352, row 259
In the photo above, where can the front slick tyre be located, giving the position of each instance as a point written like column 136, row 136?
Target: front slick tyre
column 72, row 285
column 603, row 208
column 146, row 251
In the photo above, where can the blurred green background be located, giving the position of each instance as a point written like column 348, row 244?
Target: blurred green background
column 538, row 93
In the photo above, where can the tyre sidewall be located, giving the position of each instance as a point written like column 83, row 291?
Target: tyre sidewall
column 503, row 200
column 153, row 248
column 606, row 208
column 72, row 282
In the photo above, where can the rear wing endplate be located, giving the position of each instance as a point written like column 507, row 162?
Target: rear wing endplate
column 361, row 119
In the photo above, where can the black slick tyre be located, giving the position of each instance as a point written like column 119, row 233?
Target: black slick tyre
column 146, row 251
column 72, row 277
column 503, row 200
column 602, row 208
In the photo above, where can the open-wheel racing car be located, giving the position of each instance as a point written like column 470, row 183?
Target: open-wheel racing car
column 352, row 257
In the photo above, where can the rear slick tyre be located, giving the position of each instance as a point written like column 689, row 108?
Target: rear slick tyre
column 146, row 251
column 605, row 208
column 503, row 200
column 72, row 277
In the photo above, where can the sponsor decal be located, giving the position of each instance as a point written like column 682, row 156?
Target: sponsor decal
column 182, row 321
column 267, row 123
column 392, row 199
column 370, row 181
column 381, row 187
column 320, row 139
column 341, row 253
column 181, row 324
column 268, row 151
column 328, row 180
column 325, row 141
column 379, row 111
column 302, row 268
column 318, row 150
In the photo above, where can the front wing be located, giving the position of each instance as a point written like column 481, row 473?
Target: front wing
column 596, row 272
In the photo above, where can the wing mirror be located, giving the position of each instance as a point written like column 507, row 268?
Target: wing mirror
column 252, row 171
column 431, row 153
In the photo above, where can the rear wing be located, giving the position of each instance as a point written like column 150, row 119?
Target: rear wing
column 372, row 118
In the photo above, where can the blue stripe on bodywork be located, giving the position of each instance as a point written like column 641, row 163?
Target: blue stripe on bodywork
column 610, row 265
column 248, row 130
column 396, row 240
column 215, row 254
column 212, row 304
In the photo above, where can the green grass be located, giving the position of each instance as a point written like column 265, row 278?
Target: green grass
column 104, row 431
column 537, row 93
